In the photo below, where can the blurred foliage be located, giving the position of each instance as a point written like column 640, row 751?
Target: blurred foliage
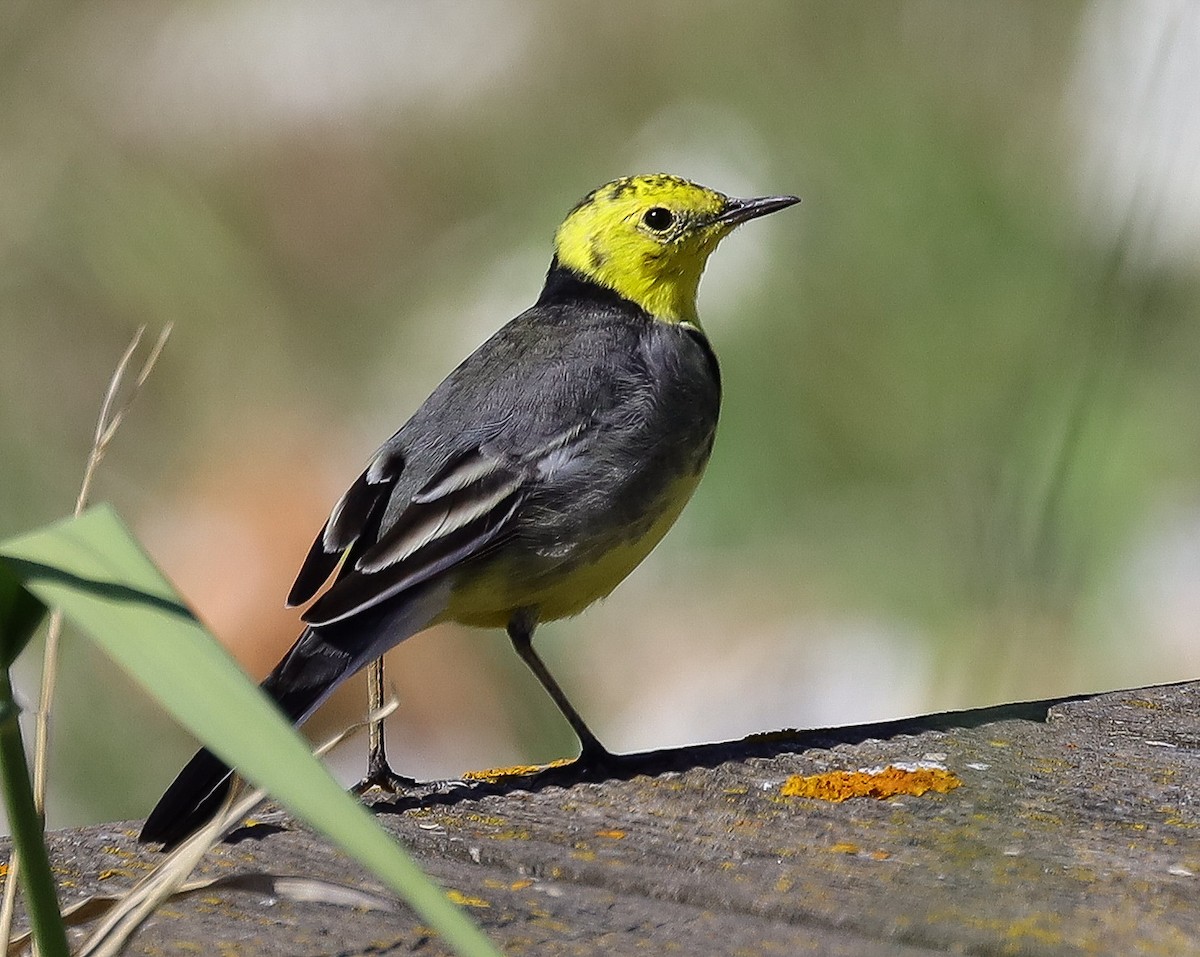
column 959, row 396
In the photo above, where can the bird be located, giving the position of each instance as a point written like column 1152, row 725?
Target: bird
column 533, row 479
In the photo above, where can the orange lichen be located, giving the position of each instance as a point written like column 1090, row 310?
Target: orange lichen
column 613, row 835
column 839, row 786
column 494, row 775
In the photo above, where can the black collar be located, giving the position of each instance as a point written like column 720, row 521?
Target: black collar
column 564, row 284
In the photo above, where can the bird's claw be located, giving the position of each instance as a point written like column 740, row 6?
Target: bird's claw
column 598, row 762
column 385, row 779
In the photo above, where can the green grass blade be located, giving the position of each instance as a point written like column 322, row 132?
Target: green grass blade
column 20, row 614
column 37, row 880
column 93, row 569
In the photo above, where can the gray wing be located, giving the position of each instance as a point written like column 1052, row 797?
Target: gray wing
column 455, row 515
column 467, row 507
column 527, row 405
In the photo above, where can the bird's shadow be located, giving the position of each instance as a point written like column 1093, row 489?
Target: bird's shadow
column 762, row 745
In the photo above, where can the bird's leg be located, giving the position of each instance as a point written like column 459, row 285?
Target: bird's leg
column 379, row 773
column 592, row 753
column 376, row 742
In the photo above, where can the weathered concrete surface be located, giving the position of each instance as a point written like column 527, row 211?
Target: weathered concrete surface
column 1076, row 830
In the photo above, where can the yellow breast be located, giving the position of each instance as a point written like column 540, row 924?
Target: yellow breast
column 560, row 589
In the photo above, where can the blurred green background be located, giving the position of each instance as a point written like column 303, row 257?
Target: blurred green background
column 959, row 460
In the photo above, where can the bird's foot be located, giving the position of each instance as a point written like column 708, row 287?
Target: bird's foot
column 596, row 761
column 381, row 776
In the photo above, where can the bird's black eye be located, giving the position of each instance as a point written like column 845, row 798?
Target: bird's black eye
column 658, row 218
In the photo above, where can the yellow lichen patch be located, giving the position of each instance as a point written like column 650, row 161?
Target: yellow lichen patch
column 783, row 885
column 839, row 786
column 511, row 834
column 845, row 847
column 1043, row 928
column 552, row 925
column 520, row 885
column 465, row 900
column 495, row 775
column 488, row 819
column 664, row 785
column 613, row 835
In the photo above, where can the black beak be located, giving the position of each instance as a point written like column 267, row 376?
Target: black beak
column 740, row 210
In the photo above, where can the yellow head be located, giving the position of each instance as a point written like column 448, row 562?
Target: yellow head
column 648, row 237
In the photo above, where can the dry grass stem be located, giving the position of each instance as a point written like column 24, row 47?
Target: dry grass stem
column 107, row 423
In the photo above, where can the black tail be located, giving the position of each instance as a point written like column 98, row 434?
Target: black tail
column 317, row 663
column 192, row 799
column 300, row 682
